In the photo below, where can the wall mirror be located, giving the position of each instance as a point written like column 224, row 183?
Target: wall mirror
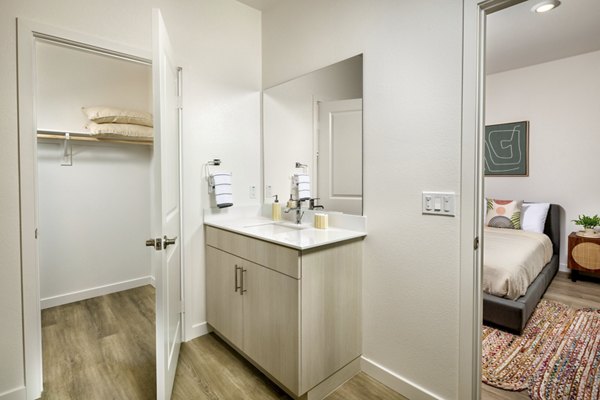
column 316, row 120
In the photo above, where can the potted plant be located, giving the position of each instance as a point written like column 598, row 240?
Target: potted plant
column 588, row 223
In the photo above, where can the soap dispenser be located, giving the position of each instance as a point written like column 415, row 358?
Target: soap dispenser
column 276, row 210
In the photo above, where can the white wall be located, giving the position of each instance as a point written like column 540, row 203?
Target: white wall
column 412, row 136
column 93, row 215
column 68, row 79
column 560, row 100
column 288, row 120
column 93, row 220
column 218, row 46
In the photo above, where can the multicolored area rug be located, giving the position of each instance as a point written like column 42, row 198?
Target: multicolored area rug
column 556, row 357
column 574, row 371
column 509, row 361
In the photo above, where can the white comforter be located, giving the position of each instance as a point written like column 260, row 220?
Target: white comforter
column 512, row 260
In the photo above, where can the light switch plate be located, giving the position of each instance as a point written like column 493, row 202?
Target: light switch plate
column 252, row 192
column 439, row 203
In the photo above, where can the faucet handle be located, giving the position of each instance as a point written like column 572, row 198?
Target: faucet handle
column 311, row 203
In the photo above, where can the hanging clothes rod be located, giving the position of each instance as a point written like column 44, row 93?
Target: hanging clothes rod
column 86, row 137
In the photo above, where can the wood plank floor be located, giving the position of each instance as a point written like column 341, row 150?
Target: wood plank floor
column 578, row 294
column 103, row 348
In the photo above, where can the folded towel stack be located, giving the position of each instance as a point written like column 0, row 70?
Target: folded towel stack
column 302, row 185
column 221, row 184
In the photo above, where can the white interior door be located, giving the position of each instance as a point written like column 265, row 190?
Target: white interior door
column 339, row 177
column 167, row 214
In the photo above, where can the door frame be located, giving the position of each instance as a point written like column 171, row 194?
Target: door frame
column 27, row 33
column 472, row 189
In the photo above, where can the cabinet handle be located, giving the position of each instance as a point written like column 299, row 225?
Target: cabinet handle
column 235, row 272
column 242, row 286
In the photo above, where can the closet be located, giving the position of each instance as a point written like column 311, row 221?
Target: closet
column 94, row 194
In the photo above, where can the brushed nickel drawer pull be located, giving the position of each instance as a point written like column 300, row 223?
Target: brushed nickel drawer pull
column 243, row 286
column 235, row 272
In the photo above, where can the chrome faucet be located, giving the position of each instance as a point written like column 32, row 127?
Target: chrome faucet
column 299, row 212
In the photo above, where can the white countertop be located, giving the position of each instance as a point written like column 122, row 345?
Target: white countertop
column 285, row 233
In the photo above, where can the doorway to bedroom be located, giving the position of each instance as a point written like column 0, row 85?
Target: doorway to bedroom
column 539, row 156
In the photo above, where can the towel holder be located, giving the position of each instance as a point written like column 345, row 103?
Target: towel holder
column 67, row 159
column 213, row 162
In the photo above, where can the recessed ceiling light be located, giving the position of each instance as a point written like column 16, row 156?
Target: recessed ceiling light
column 546, row 5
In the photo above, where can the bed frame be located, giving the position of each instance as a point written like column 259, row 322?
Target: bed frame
column 512, row 315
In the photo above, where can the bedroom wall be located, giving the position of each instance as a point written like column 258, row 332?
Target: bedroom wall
column 560, row 100
column 218, row 46
column 412, row 135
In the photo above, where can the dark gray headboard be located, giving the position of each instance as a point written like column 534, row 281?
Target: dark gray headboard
column 552, row 228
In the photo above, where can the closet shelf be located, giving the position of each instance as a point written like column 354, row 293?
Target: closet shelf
column 86, row 137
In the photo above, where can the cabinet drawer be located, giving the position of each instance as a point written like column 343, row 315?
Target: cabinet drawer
column 273, row 256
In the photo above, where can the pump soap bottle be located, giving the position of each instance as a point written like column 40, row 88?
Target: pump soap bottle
column 276, row 210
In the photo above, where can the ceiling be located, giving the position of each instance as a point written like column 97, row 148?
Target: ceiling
column 517, row 37
column 261, row 5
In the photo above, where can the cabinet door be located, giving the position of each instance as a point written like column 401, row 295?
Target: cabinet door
column 271, row 322
column 223, row 302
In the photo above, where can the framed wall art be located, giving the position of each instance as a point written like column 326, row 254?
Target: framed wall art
column 507, row 149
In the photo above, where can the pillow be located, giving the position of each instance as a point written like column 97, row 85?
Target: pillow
column 504, row 213
column 120, row 131
column 533, row 216
column 102, row 115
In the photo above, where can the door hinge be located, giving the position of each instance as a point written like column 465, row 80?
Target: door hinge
column 476, row 243
column 180, row 102
column 36, row 233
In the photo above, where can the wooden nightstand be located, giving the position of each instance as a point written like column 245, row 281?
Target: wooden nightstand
column 584, row 255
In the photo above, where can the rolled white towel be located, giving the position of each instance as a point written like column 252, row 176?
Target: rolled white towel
column 301, row 178
column 224, row 200
column 303, row 194
column 220, row 178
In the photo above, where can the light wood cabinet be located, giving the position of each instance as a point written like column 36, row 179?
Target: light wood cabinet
column 224, row 310
column 296, row 314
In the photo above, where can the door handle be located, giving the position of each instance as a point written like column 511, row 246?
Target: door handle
column 167, row 242
column 156, row 243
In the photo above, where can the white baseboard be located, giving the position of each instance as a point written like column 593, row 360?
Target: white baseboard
column 199, row 329
column 19, row 393
column 153, row 281
column 94, row 292
column 396, row 382
column 563, row 267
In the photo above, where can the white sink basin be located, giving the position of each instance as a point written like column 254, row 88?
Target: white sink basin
column 272, row 228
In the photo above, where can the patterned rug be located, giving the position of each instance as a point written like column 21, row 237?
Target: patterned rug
column 509, row 361
column 574, row 371
column 556, row 357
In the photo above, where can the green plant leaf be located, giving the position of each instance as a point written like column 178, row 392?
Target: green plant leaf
column 516, row 219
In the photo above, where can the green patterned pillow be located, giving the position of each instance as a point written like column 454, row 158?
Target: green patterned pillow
column 504, row 213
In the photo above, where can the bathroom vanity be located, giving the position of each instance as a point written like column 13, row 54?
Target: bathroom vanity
column 288, row 298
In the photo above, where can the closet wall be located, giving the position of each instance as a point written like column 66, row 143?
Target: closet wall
column 94, row 215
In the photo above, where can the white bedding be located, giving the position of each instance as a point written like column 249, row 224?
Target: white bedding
column 513, row 258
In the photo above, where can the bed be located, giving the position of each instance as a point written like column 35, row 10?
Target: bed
column 512, row 315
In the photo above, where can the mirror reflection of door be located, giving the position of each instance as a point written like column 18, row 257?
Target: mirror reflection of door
column 339, row 169
column 290, row 135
